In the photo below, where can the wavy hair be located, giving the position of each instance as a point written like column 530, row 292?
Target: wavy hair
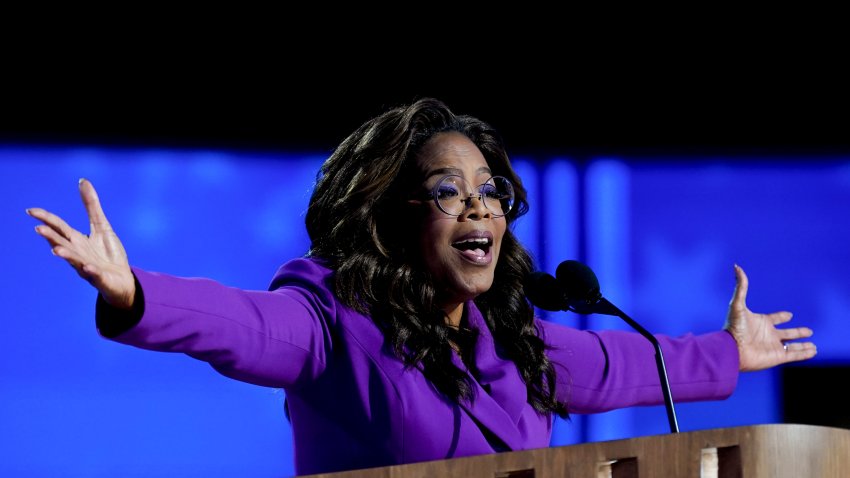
column 353, row 224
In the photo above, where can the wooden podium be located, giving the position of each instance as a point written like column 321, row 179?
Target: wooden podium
column 759, row 451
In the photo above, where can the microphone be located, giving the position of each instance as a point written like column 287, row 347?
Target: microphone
column 576, row 288
column 545, row 292
column 579, row 283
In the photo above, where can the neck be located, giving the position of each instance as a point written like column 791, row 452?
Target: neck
column 454, row 314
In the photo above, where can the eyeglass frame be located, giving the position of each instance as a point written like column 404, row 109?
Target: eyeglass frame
column 432, row 194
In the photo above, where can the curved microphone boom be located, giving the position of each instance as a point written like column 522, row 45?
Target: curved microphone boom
column 576, row 288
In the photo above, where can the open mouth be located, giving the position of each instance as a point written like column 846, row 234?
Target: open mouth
column 475, row 249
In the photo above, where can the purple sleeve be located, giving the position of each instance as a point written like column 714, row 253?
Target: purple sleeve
column 274, row 338
column 601, row 371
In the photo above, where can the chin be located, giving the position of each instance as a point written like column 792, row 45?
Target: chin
column 464, row 288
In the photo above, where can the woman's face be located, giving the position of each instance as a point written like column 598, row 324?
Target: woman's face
column 460, row 252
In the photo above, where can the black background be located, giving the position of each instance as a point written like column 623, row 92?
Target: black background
column 271, row 101
column 814, row 394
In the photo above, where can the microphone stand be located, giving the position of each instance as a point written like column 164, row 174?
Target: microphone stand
column 607, row 308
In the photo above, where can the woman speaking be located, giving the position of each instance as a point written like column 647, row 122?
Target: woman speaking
column 404, row 333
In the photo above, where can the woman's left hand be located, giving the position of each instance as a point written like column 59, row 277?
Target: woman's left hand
column 760, row 344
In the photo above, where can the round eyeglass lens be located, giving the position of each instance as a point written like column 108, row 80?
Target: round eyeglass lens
column 452, row 194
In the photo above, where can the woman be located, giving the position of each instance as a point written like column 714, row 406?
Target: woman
column 404, row 335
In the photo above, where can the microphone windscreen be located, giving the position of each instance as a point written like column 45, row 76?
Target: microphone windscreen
column 544, row 292
column 578, row 281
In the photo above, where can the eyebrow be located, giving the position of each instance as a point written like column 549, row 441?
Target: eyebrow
column 438, row 171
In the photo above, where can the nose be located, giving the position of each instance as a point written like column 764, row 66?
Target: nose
column 475, row 208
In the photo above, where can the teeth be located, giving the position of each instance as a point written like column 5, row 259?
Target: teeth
column 477, row 240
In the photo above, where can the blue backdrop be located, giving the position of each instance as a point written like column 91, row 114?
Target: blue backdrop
column 661, row 235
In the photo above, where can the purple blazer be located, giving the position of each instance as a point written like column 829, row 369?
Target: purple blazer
column 354, row 405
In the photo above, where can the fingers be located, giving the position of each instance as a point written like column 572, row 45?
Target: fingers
column 53, row 238
column 799, row 346
column 97, row 218
column 739, row 298
column 54, row 222
column 800, row 351
column 71, row 256
column 794, row 333
column 85, row 269
column 780, row 317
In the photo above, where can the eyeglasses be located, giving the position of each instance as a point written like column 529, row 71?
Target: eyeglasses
column 453, row 195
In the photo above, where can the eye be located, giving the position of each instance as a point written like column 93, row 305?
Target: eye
column 446, row 191
column 490, row 191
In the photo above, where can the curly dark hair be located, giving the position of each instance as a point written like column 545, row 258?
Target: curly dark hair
column 353, row 223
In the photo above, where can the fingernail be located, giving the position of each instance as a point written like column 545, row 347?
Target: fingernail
column 80, row 182
column 28, row 212
column 37, row 229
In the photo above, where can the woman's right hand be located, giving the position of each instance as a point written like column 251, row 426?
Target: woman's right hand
column 97, row 257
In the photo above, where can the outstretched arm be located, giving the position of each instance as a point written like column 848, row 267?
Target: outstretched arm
column 761, row 344
column 98, row 257
column 273, row 338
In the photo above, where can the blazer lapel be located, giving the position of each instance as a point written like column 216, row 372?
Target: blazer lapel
column 500, row 391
